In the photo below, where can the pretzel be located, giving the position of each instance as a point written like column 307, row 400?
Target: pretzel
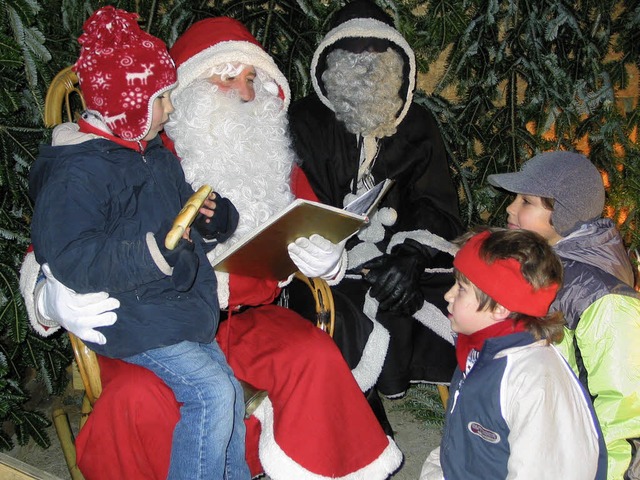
column 186, row 216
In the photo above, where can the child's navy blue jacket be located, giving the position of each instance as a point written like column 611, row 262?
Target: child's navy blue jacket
column 97, row 207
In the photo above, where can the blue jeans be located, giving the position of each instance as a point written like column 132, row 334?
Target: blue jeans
column 208, row 441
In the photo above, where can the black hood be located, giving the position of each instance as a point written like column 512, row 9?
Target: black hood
column 360, row 9
column 359, row 26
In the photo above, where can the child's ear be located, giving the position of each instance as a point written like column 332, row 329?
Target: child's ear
column 500, row 313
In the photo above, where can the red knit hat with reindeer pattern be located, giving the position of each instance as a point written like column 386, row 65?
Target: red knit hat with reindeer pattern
column 122, row 70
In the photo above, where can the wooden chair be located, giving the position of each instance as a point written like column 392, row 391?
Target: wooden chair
column 89, row 370
column 62, row 95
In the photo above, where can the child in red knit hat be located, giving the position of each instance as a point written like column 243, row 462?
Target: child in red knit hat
column 105, row 196
column 516, row 409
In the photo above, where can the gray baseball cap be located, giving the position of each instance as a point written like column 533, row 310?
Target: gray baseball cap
column 569, row 178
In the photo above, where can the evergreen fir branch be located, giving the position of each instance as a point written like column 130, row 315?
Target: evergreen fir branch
column 25, row 10
column 50, row 358
column 10, row 235
column 423, row 402
column 34, row 42
column 6, row 442
column 44, row 374
column 22, row 146
column 29, row 38
column 13, row 369
column 11, row 398
column 617, row 71
column 4, row 367
column 308, row 10
column 31, row 424
column 9, row 305
column 72, row 14
column 16, row 23
column 10, row 52
column 628, row 24
column 30, row 66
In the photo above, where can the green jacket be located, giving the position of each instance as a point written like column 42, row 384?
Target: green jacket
column 602, row 336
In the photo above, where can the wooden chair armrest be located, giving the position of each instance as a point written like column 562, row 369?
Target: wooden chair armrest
column 89, row 368
column 325, row 309
column 62, row 86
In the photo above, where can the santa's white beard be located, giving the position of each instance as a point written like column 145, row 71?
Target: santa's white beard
column 241, row 149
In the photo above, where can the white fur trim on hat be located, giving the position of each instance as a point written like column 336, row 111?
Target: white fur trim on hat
column 232, row 51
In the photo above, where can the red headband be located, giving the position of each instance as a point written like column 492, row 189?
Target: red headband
column 502, row 280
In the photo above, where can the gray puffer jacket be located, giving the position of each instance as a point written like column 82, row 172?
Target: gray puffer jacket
column 588, row 256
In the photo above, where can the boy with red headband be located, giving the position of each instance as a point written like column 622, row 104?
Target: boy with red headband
column 105, row 195
column 516, row 409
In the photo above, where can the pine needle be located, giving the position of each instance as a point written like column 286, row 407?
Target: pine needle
column 423, row 402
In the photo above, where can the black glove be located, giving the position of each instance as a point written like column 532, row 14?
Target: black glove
column 183, row 259
column 223, row 223
column 395, row 277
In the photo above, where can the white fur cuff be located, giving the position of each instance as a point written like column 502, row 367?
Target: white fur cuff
column 341, row 272
column 29, row 272
column 223, row 289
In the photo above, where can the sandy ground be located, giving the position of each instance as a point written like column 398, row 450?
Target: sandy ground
column 414, row 437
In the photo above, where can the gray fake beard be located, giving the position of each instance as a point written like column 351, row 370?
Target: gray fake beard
column 364, row 90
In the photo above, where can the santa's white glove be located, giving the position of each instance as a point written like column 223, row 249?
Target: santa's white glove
column 77, row 313
column 316, row 256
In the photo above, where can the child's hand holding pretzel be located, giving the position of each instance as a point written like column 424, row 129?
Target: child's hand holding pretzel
column 217, row 219
column 186, row 216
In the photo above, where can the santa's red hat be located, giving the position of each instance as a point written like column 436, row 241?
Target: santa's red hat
column 215, row 41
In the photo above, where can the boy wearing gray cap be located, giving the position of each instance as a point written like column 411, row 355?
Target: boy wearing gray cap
column 560, row 195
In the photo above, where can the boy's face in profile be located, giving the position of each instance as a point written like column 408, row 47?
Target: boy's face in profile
column 527, row 212
column 160, row 111
column 463, row 309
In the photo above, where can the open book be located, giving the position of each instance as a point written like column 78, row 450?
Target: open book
column 263, row 252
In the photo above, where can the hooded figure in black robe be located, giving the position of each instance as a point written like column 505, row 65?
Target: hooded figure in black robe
column 361, row 127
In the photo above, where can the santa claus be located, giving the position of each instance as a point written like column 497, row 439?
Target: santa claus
column 230, row 130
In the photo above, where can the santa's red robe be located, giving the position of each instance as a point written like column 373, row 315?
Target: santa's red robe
column 315, row 423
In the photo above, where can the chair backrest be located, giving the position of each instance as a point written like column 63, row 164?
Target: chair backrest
column 88, row 367
column 58, row 101
column 59, row 98
column 323, row 297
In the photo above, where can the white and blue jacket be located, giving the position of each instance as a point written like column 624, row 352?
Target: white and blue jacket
column 519, row 412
